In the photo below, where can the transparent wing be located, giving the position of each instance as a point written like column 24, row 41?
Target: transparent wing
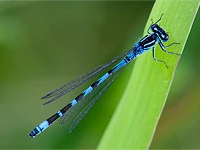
column 77, row 113
column 55, row 94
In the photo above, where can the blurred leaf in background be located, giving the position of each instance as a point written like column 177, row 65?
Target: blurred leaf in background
column 43, row 45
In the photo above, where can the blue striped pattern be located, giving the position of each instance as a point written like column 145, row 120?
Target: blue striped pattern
column 157, row 35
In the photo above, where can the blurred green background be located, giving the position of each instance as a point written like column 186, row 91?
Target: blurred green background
column 43, row 45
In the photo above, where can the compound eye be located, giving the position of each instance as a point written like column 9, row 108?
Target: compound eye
column 154, row 27
column 165, row 38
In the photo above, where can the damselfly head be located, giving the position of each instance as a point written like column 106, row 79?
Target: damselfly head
column 160, row 32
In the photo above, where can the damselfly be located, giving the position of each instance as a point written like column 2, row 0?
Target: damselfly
column 73, row 112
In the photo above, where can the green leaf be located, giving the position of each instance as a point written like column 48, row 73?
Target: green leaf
column 135, row 119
